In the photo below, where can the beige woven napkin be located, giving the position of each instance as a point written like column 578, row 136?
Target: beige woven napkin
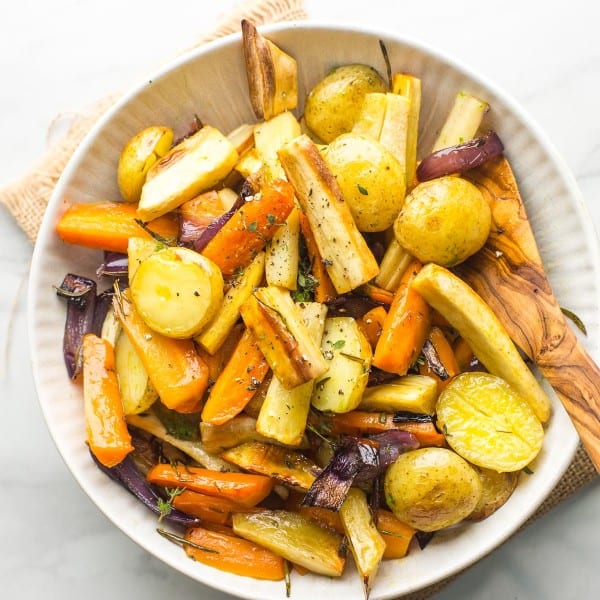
column 27, row 198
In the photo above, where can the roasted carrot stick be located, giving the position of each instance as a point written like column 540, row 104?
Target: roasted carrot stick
column 174, row 367
column 371, row 324
column 358, row 422
column 222, row 549
column 444, row 353
column 324, row 292
column 209, row 508
column 463, row 353
column 243, row 488
column 107, row 433
column 237, row 383
column 405, row 329
column 397, row 534
column 109, row 225
column 251, row 227
column 378, row 294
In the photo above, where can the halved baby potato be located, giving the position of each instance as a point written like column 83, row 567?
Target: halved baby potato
column 488, row 422
column 138, row 155
column 177, row 291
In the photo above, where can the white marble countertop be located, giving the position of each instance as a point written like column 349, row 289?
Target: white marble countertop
column 60, row 56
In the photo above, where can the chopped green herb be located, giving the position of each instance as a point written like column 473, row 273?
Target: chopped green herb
column 362, row 190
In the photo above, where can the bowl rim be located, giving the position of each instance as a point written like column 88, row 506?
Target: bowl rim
column 47, row 231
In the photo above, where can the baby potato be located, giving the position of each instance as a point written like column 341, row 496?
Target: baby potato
column 496, row 490
column 370, row 178
column 443, row 221
column 488, row 422
column 431, row 488
column 333, row 105
column 177, row 291
column 138, row 155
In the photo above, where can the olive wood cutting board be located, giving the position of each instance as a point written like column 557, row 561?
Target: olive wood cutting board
column 509, row 275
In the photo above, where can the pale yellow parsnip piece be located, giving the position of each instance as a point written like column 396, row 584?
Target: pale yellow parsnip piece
column 466, row 311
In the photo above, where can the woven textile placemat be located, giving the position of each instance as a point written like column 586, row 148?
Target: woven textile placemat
column 27, row 198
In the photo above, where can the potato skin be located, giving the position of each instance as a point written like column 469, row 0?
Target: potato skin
column 443, row 221
column 370, row 178
column 431, row 488
column 496, row 490
column 332, row 106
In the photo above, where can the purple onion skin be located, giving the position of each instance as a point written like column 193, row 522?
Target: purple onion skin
column 127, row 474
column 460, row 158
column 392, row 444
column 115, row 264
column 103, row 303
column 80, row 293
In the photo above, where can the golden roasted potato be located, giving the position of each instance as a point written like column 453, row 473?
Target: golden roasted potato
column 431, row 488
column 443, row 221
column 138, row 155
column 496, row 490
column 488, row 422
column 177, row 291
column 334, row 103
column 371, row 180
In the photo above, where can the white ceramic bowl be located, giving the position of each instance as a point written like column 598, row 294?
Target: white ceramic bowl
column 211, row 83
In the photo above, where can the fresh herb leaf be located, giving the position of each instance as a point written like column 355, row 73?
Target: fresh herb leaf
column 338, row 345
column 362, row 190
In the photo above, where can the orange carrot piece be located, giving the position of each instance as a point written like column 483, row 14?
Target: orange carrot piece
column 109, row 225
column 244, row 488
column 444, row 351
column 358, row 422
column 237, row 383
column 107, row 433
column 251, row 227
column 323, row 516
column 202, row 209
column 174, row 367
column 377, row 294
column 325, row 291
column 371, row 324
column 396, row 533
column 405, row 329
column 222, row 549
column 209, row 508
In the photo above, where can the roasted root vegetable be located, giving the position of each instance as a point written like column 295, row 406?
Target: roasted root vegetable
column 109, row 225
column 287, row 466
column 219, row 547
column 174, row 367
column 237, row 383
column 496, row 489
column 243, row 488
column 138, row 155
column 107, row 434
column 482, row 330
column 211, row 509
column 250, row 228
column 177, row 291
column 411, row 393
column 240, row 429
column 349, row 356
column 284, row 412
column 272, row 74
column 366, row 543
column 405, row 329
column 348, row 259
column 284, row 339
column 296, row 538
column 488, row 423
column 396, row 534
column 431, row 488
column 334, row 104
column 193, row 166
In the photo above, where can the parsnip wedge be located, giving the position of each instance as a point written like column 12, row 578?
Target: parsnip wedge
column 366, row 543
column 272, row 74
column 412, row 393
column 296, row 538
column 282, row 336
column 478, row 325
column 348, row 259
column 193, row 166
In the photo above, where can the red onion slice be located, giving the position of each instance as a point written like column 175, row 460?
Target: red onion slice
column 215, row 226
column 460, row 158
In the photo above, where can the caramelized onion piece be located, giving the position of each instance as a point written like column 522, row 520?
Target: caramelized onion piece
column 461, row 158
